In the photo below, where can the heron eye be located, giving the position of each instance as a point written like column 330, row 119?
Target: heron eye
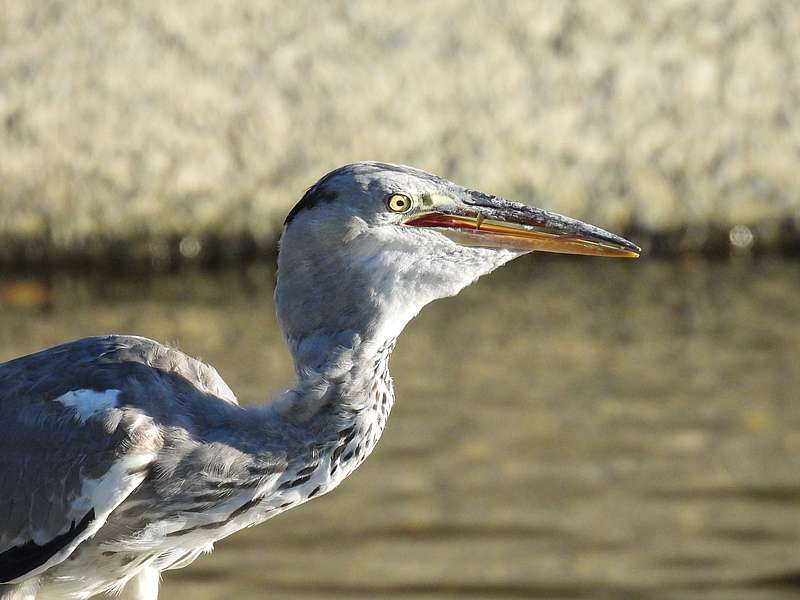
column 399, row 203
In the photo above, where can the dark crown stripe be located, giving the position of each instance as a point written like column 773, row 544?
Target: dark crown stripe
column 320, row 193
column 316, row 195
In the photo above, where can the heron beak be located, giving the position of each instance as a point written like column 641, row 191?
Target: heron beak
column 489, row 221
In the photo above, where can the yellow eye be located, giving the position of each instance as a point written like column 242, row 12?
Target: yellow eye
column 399, row 203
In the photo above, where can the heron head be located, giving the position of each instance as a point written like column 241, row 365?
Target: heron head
column 371, row 243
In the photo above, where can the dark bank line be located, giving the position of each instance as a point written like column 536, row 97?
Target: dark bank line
column 215, row 251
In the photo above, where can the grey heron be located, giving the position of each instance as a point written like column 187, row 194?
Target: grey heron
column 121, row 458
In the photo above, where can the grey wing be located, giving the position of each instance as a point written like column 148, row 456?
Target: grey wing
column 71, row 450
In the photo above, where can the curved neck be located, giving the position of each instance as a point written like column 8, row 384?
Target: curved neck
column 339, row 414
column 346, row 385
column 345, row 291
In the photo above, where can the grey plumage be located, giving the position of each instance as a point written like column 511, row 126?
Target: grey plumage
column 130, row 458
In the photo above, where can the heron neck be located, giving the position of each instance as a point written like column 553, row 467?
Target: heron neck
column 330, row 421
column 352, row 387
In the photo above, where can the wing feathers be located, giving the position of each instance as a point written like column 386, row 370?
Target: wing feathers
column 27, row 557
column 80, row 429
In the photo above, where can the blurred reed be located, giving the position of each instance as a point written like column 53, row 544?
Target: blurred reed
column 159, row 133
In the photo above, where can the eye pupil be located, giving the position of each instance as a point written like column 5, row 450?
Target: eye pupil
column 399, row 203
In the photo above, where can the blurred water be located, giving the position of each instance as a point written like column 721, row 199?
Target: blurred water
column 566, row 428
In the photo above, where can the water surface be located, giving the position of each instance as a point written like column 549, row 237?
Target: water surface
column 567, row 428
